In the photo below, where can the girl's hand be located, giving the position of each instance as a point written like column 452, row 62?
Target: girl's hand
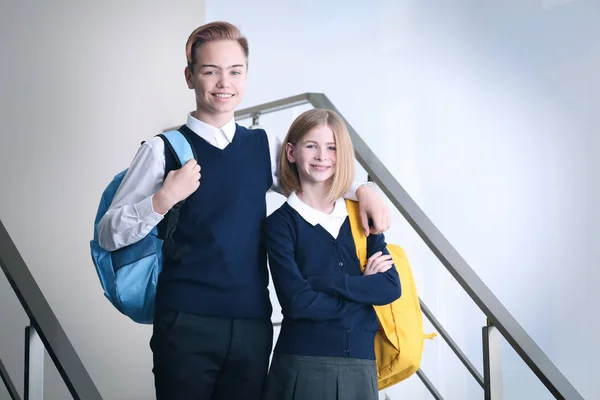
column 378, row 262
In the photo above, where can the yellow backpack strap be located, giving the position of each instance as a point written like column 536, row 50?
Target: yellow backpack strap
column 360, row 240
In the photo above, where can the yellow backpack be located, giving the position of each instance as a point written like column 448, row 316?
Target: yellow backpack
column 399, row 341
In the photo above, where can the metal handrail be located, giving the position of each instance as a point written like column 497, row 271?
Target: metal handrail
column 489, row 304
column 429, row 385
column 451, row 343
column 12, row 391
column 42, row 318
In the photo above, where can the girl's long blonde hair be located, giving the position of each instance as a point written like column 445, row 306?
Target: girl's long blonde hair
column 289, row 180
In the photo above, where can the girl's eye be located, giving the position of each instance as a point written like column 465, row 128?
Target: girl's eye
column 311, row 146
column 332, row 148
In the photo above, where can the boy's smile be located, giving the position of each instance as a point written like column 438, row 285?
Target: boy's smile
column 219, row 80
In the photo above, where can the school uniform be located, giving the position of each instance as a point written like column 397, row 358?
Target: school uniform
column 212, row 334
column 325, row 349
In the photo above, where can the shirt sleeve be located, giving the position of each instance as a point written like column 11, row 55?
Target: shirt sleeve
column 275, row 152
column 130, row 216
column 377, row 289
column 296, row 297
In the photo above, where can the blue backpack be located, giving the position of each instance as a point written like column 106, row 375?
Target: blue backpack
column 129, row 275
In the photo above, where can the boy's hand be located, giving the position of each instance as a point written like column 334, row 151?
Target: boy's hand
column 178, row 185
column 378, row 262
column 371, row 206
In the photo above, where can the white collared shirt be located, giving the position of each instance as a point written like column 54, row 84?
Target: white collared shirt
column 332, row 223
column 130, row 217
column 218, row 137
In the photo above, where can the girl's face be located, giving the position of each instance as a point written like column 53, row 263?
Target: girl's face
column 314, row 156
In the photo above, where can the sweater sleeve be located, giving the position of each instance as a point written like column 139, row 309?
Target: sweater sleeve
column 377, row 289
column 297, row 298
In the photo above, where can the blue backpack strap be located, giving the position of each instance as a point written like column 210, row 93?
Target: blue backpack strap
column 179, row 145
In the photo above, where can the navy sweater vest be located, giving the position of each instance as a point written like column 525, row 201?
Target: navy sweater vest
column 221, row 269
column 327, row 303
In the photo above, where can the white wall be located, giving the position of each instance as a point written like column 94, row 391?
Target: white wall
column 82, row 84
column 487, row 113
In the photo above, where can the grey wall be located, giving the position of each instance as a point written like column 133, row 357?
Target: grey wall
column 82, row 84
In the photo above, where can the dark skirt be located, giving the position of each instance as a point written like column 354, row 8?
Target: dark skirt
column 293, row 377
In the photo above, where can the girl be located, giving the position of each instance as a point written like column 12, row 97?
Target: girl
column 325, row 347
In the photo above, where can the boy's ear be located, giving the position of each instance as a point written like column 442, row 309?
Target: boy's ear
column 289, row 152
column 189, row 77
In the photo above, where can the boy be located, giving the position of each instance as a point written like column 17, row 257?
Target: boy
column 212, row 332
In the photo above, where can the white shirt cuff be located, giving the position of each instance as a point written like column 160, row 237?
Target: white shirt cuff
column 146, row 213
column 351, row 195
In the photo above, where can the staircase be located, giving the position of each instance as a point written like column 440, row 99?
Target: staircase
column 45, row 332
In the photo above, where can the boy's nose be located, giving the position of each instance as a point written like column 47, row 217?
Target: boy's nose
column 222, row 83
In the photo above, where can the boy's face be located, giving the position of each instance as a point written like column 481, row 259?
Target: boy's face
column 219, row 79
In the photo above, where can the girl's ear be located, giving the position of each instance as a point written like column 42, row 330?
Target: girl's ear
column 289, row 151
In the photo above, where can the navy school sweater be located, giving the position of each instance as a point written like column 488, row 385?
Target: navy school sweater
column 327, row 303
column 221, row 269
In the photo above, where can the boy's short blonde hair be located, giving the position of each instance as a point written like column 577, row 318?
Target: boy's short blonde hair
column 218, row 30
column 344, row 166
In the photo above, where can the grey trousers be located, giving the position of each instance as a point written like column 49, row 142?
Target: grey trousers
column 293, row 377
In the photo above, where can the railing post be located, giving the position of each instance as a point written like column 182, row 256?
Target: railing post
column 255, row 121
column 492, row 362
column 48, row 329
column 34, row 365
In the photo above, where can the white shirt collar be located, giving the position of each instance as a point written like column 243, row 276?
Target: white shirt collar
column 315, row 217
column 209, row 132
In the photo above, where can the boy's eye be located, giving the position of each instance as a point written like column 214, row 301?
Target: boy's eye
column 209, row 72
column 310, row 146
column 236, row 73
